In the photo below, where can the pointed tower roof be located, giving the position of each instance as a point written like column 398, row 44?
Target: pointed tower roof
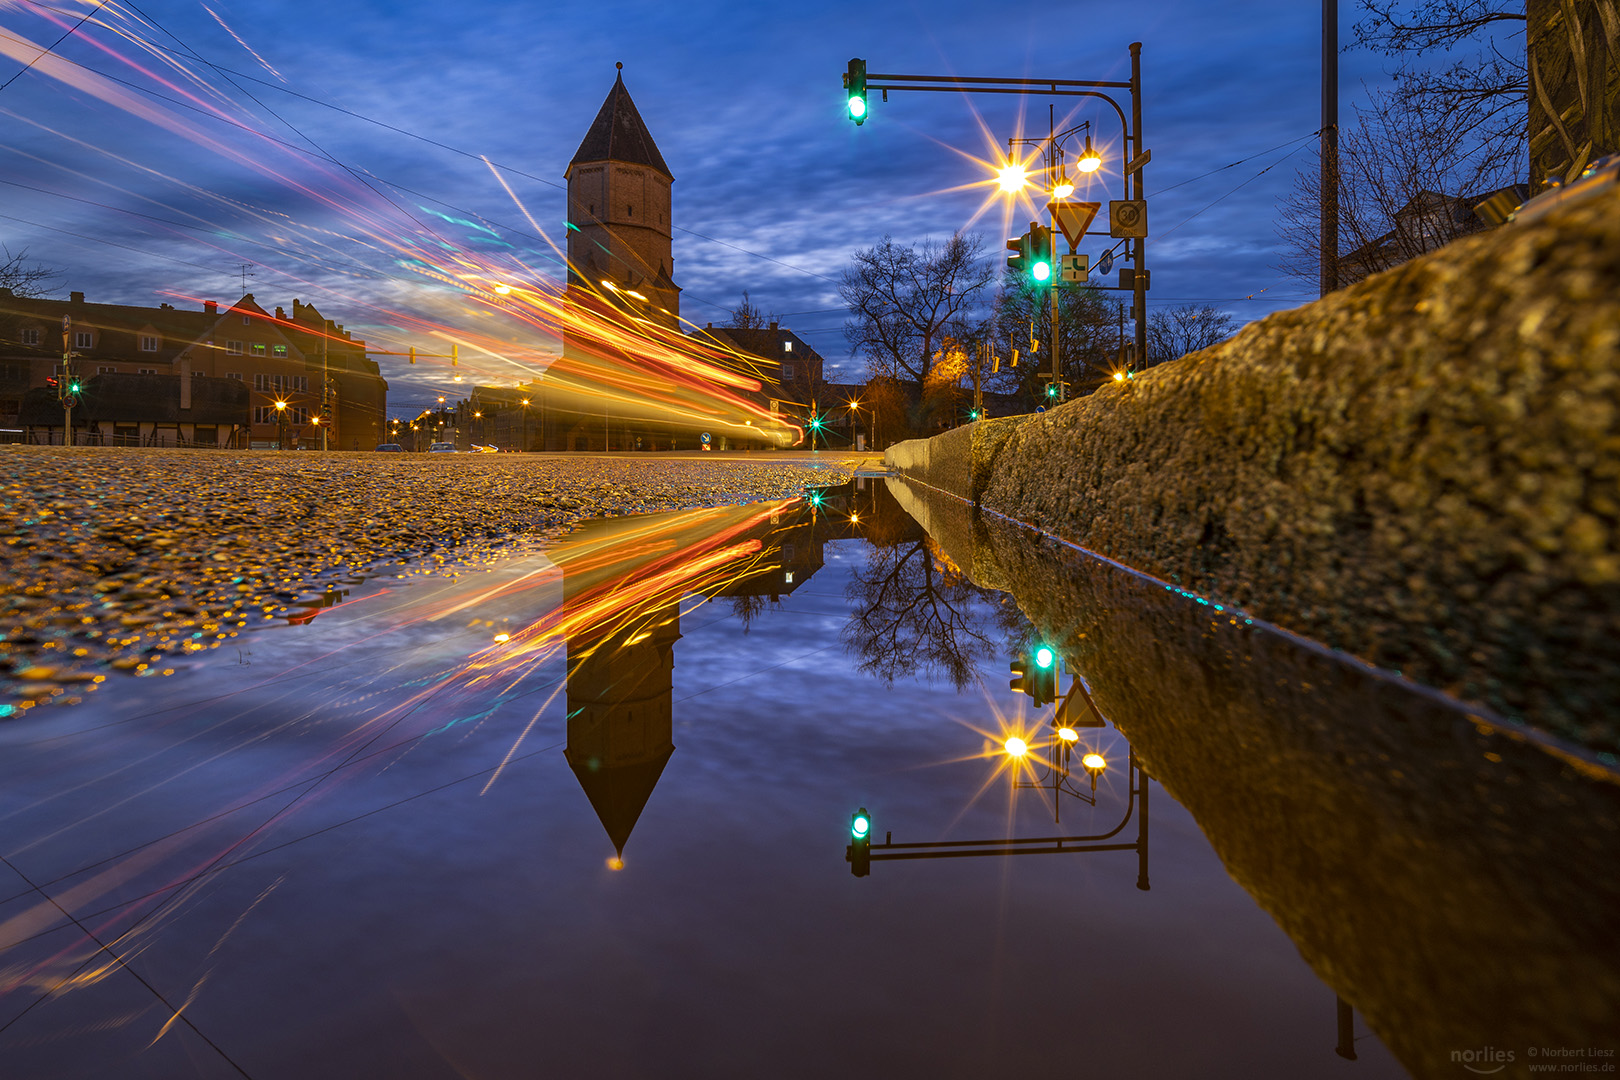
column 619, row 793
column 618, row 134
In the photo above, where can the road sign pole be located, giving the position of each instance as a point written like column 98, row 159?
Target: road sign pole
column 64, row 391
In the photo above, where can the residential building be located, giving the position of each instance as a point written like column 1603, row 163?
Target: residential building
column 274, row 358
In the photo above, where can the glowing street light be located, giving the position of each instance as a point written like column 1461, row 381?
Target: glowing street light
column 1094, row 763
column 1012, row 178
column 1069, row 735
column 1090, row 160
column 1016, row 747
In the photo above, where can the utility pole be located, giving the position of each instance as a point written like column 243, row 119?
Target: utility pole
column 326, row 417
column 64, row 385
column 1330, row 147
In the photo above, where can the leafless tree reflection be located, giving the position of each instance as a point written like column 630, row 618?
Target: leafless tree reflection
column 917, row 612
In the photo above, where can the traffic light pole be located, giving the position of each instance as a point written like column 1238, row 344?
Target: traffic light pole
column 861, row 852
column 64, row 385
column 1130, row 130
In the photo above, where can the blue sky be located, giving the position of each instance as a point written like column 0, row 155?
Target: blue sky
column 744, row 101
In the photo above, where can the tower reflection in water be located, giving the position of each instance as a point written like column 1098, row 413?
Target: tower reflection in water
column 626, row 584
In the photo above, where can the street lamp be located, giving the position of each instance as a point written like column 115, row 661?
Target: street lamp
column 526, row 425
column 1012, row 177
column 281, row 425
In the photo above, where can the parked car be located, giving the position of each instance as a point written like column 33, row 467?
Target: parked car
column 390, row 448
column 442, row 448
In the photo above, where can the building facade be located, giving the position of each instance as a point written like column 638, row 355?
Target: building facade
column 274, row 358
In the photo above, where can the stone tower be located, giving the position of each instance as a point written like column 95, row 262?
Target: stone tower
column 619, row 210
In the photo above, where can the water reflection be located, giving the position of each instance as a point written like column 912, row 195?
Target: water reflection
column 1450, row 876
column 379, row 798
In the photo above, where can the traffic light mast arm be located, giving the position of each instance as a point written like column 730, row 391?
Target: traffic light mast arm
column 1130, row 133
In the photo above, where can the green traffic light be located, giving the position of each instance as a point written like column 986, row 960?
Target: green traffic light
column 857, row 107
column 816, row 423
column 1044, row 657
column 1041, row 271
column 73, row 387
column 815, row 498
column 1051, row 391
column 859, row 826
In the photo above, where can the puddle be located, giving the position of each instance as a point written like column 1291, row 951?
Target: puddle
column 589, row 813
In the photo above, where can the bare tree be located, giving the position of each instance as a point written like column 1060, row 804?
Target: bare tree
column 1407, row 183
column 21, row 278
column 904, row 302
column 1174, row 332
column 1088, row 344
column 915, row 612
column 1484, row 87
column 745, row 316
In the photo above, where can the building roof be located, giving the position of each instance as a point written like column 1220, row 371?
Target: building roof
column 619, row 793
column 618, row 134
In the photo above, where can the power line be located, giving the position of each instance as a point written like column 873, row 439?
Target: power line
column 402, row 131
column 1236, row 163
column 70, row 32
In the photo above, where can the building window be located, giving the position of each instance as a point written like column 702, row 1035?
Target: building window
column 30, row 337
column 106, row 371
column 269, row 414
column 149, row 343
column 146, row 371
column 237, row 375
column 234, row 348
column 629, row 211
column 787, row 346
column 787, row 371
column 279, row 350
column 279, row 384
column 83, row 339
column 787, row 578
column 247, row 321
column 258, row 348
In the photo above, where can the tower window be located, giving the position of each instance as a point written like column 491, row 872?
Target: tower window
column 629, row 211
column 593, row 209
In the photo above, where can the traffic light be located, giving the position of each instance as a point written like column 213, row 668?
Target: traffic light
column 1036, row 675
column 1020, row 246
column 855, row 89
column 1051, row 390
column 973, row 414
column 859, row 852
column 73, row 385
column 1039, row 255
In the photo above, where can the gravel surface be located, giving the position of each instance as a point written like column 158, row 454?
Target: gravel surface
column 125, row 559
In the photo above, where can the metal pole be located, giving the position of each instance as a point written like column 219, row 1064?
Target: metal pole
column 1139, row 305
column 1142, row 779
column 1347, row 1030
column 325, row 385
column 1330, row 147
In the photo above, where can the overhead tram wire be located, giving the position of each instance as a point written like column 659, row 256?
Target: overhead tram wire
column 430, row 141
column 52, row 47
column 1236, row 163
